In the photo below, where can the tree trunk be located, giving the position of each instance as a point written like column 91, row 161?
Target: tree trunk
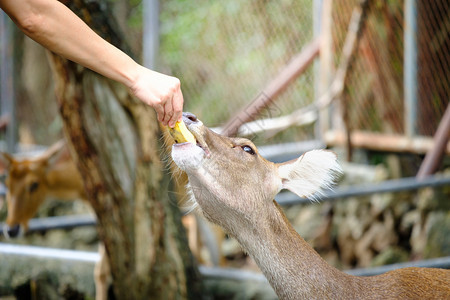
column 116, row 142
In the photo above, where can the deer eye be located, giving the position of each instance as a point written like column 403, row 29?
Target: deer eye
column 33, row 186
column 248, row 149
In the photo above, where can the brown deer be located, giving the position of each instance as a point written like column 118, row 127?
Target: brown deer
column 31, row 181
column 235, row 187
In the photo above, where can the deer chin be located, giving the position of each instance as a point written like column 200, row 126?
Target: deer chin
column 187, row 156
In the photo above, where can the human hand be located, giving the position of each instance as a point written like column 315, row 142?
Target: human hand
column 160, row 91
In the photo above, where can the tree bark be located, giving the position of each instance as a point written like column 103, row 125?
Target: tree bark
column 116, row 143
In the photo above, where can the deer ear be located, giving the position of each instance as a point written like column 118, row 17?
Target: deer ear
column 55, row 152
column 6, row 160
column 310, row 173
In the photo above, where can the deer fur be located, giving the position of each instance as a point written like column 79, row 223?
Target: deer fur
column 234, row 187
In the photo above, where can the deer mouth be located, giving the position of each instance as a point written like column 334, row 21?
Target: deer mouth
column 189, row 144
column 189, row 155
column 189, row 136
column 200, row 142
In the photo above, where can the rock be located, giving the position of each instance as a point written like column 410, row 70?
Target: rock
column 390, row 255
column 45, row 278
column 438, row 235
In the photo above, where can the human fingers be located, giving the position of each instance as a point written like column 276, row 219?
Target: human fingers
column 159, row 112
column 177, row 104
column 174, row 107
column 168, row 112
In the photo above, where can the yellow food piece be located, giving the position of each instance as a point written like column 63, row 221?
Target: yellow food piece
column 181, row 134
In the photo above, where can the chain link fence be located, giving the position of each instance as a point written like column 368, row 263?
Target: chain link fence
column 434, row 62
column 376, row 86
column 226, row 52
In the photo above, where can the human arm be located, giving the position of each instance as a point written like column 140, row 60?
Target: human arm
column 57, row 28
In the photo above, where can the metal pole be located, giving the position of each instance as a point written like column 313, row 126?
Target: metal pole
column 388, row 186
column 327, row 67
column 207, row 272
column 7, row 80
column 49, row 253
column 410, row 67
column 150, row 39
column 317, row 28
column 58, row 222
column 440, row 262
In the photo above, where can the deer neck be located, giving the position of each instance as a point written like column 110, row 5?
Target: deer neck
column 292, row 267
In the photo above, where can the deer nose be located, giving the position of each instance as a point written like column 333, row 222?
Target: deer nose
column 189, row 118
column 11, row 232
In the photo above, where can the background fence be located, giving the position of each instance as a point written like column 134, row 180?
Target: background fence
column 225, row 53
column 377, row 84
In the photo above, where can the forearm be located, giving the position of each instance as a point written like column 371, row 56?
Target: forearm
column 57, row 28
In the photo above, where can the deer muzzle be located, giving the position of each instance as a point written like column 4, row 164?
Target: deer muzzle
column 190, row 147
column 11, row 231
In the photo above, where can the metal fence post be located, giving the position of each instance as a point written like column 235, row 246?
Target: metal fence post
column 150, row 39
column 317, row 31
column 410, row 67
column 7, row 106
column 326, row 67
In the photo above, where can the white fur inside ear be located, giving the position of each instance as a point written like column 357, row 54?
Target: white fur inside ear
column 310, row 173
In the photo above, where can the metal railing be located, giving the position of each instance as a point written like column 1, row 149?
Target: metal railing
column 207, row 272
column 285, row 198
column 388, row 186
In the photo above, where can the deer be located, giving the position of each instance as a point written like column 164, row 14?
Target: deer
column 234, row 187
column 32, row 180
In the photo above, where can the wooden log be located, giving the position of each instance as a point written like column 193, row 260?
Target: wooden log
column 275, row 87
column 383, row 142
column 436, row 153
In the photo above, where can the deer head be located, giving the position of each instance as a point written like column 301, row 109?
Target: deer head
column 235, row 186
column 29, row 183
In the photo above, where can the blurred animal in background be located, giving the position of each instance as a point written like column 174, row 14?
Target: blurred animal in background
column 30, row 181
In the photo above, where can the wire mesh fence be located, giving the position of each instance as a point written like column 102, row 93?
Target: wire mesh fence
column 375, row 90
column 226, row 52
column 434, row 62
